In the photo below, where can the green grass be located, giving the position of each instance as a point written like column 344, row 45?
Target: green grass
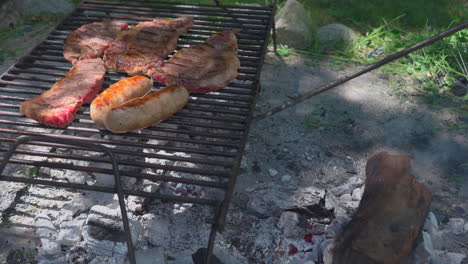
column 435, row 66
column 460, row 180
column 6, row 33
column 365, row 15
column 385, row 27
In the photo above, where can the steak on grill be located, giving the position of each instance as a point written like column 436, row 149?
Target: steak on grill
column 203, row 67
column 57, row 106
column 90, row 40
column 145, row 45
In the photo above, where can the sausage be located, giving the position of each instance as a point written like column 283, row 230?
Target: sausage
column 144, row 111
column 118, row 93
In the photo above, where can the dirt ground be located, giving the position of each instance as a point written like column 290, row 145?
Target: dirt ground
column 329, row 138
column 353, row 121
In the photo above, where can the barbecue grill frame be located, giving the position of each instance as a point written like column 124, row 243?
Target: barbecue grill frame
column 221, row 207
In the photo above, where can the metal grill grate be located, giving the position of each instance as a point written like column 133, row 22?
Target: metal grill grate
column 205, row 140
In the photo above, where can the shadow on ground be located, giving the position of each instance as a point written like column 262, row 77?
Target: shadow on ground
column 327, row 139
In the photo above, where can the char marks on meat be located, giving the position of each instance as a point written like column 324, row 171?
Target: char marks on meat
column 57, row 107
column 203, row 67
column 90, row 40
column 145, row 45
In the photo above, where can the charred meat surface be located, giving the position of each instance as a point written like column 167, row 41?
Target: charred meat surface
column 57, row 106
column 90, row 40
column 147, row 110
column 118, row 93
column 145, row 45
column 204, row 67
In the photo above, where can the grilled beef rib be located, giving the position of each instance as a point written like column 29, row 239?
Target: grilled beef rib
column 145, row 45
column 57, row 106
column 90, row 40
column 204, row 67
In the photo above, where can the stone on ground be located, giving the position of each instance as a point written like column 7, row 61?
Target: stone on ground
column 423, row 252
column 456, row 226
column 105, row 223
column 334, row 34
column 443, row 257
column 289, row 224
column 46, row 232
column 70, row 231
column 157, row 231
column 293, row 25
column 150, row 256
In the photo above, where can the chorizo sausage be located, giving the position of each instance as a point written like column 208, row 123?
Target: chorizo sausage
column 118, row 93
column 144, row 111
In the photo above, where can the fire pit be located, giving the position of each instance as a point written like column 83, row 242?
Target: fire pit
column 198, row 148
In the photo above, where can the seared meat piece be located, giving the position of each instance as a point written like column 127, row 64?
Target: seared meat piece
column 204, row 67
column 57, row 106
column 145, row 45
column 90, row 40
column 118, row 93
column 142, row 112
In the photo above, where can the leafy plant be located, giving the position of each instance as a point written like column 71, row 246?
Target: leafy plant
column 460, row 180
column 32, row 172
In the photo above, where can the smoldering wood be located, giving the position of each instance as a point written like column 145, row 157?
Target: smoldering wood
column 390, row 216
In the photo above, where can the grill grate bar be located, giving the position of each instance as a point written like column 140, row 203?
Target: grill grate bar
column 248, row 22
column 39, row 55
column 179, row 199
column 42, row 88
column 199, row 29
column 243, row 50
column 218, row 135
column 243, row 100
column 84, row 119
column 55, row 49
column 202, row 14
column 195, row 32
column 215, row 184
column 14, row 74
column 56, row 165
column 219, row 163
column 66, row 69
column 82, row 18
column 114, row 142
column 268, row 9
column 161, row 9
column 34, row 124
column 171, row 120
column 160, row 5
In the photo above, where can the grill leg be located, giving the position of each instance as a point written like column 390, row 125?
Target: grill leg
column 211, row 242
column 123, row 210
column 274, row 28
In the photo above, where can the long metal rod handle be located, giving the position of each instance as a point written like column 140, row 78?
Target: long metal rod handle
column 24, row 139
column 300, row 98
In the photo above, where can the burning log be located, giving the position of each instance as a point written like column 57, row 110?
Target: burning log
column 390, row 216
